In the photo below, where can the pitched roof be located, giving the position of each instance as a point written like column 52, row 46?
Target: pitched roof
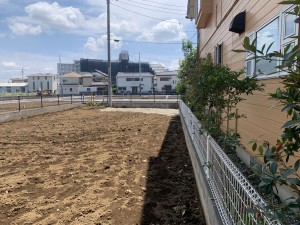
column 72, row 75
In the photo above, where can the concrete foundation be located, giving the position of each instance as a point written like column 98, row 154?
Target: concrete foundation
column 210, row 210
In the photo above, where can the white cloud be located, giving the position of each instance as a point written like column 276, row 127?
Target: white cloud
column 2, row 35
column 10, row 64
column 3, row 2
column 99, row 44
column 22, row 29
column 53, row 15
column 164, row 31
column 173, row 65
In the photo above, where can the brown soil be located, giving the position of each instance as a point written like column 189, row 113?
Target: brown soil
column 87, row 166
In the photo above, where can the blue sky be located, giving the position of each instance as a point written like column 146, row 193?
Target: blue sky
column 34, row 33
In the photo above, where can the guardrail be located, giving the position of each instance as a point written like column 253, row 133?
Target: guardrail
column 231, row 191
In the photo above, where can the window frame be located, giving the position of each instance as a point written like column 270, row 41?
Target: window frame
column 282, row 41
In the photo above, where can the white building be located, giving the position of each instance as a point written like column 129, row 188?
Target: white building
column 134, row 83
column 166, row 82
column 71, row 84
column 43, row 82
column 13, row 87
column 65, row 68
column 158, row 68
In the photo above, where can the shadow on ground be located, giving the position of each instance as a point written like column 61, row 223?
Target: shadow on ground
column 171, row 192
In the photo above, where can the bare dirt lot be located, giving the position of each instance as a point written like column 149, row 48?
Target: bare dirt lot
column 89, row 166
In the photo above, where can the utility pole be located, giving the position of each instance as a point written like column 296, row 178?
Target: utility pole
column 108, row 55
column 60, row 77
column 22, row 72
column 140, row 73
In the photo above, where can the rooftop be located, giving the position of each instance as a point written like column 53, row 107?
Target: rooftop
column 13, row 84
column 72, row 75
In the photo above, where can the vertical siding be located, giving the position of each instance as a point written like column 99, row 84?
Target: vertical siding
column 263, row 121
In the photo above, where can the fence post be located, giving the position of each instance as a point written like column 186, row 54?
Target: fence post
column 207, row 156
column 41, row 101
column 57, row 99
column 19, row 103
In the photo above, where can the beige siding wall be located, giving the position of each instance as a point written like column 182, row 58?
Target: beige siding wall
column 262, row 122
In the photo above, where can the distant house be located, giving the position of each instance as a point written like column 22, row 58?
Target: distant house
column 96, row 83
column 42, row 82
column 134, row 83
column 166, row 82
column 18, row 80
column 13, row 87
column 71, row 84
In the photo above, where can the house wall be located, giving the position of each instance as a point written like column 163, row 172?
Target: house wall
column 263, row 122
column 146, row 84
column 37, row 82
column 161, row 84
column 87, row 81
column 14, row 89
column 71, row 89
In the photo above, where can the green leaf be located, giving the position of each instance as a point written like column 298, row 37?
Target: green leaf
column 261, row 150
column 290, row 2
column 297, row 164
column 254, row 146
column 294, row 181
column 273, row 167
column 291, row 123
column 239, row 50
column 288, row 172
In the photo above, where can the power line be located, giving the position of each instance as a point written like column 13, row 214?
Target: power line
column 193, row 35
column 144, row 14
column 150, row 42
column 150, row 9
column 154, row 6
column 180, row 6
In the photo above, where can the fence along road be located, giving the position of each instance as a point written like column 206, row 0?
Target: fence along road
column 231, row 191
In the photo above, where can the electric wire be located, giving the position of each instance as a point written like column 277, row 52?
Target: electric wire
column 154, row 6
column 144, row 14
column 150, row 9
column 180, row 6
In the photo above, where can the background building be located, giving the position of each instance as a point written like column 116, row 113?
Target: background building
column 43, row 82
column 134, row 83
column 166, row 82
column 122, row 65
column 65, row 68
column 13, row 88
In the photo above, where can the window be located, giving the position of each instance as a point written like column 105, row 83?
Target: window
column 33, row 85
column 48, row 85
column 165, row 78
column 218, row 55
column 278, row 31
column 122, row 88
column 71, row 89
column 8, row 89
column 33, row 78
column 38, row 78
column 45, row 78
column 289, row 25
column 42, row 88
column 133, row 79
column 88, row 89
